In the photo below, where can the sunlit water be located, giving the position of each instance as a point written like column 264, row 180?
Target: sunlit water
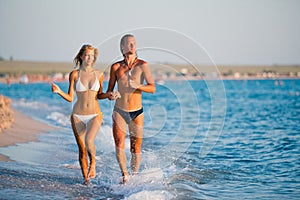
column 202, row 140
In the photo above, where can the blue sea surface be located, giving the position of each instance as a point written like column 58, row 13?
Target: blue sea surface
column 232, row 139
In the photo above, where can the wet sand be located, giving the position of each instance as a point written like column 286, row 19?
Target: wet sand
column 23, row 130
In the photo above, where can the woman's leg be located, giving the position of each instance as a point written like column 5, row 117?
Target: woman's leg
column 79, row 133
column 92, row 130
column 136, row 138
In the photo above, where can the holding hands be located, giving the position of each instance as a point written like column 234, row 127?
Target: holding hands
column 114, row 95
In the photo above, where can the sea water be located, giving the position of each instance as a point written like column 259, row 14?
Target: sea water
column 235, row 139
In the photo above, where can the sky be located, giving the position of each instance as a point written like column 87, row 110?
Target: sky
column 228, row 32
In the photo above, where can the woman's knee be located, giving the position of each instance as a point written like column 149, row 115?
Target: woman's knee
column 82, row 153
column 90, row 144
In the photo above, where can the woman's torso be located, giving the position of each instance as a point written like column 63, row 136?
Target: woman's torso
column 86, row 87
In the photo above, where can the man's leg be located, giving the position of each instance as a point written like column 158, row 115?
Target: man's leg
column 119, row 133
column 136, row 138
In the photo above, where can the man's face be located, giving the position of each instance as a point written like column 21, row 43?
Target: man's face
column 129, row 46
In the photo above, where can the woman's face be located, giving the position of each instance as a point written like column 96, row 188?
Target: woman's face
column 129, row 46
column 88, row 57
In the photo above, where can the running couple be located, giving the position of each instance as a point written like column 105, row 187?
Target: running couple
column 86, row 117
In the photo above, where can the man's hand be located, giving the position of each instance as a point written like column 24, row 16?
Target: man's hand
column 114, row 95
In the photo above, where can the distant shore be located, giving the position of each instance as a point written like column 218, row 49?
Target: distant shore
column 31, row 72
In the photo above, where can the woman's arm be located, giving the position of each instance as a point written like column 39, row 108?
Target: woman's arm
column 69, row 97
column 111, row 85
column 100, row 94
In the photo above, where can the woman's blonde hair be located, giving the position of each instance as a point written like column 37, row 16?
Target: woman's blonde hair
column 78, row 61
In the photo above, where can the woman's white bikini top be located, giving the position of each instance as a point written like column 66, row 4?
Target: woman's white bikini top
column 81, row 88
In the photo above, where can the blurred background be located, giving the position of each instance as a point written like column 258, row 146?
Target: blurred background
column 243, row 38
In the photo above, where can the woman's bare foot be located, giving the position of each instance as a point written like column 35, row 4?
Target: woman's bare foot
column 92, row 172
column 86, row 182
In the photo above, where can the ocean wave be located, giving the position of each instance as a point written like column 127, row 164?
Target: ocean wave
column 59, row 119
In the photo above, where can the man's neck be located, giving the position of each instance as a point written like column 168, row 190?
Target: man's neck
column 130, row 59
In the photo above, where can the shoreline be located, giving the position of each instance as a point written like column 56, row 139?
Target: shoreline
column 23, row 130
column 33, row 72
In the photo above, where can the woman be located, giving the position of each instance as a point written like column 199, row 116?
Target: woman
column 86, row 117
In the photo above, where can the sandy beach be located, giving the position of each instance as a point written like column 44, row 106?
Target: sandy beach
column 24, row 129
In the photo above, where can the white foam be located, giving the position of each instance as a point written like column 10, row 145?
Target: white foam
column 150, row 195
column 104, row 140
column 75, row 165
column 30, row 104
column 149, row 184
column 59, row 118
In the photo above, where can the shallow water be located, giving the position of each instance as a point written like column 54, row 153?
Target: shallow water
column 202, row 140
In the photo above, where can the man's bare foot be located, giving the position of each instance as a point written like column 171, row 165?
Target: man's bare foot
column 134, row 173
column 125, row 178
column 92, row 172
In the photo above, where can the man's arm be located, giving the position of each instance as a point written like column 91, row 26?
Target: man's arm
column 150, row 85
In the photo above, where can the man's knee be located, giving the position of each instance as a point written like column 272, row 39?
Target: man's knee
column 135, row 150
column 135, row 147
column 119, row 143
column 119, row 138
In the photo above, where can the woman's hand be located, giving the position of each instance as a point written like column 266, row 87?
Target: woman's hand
column 55, row 88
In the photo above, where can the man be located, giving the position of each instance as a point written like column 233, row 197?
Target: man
column 130, row 73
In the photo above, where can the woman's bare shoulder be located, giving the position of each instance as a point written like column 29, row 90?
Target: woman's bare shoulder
column 74, row 73
column 98, row 72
